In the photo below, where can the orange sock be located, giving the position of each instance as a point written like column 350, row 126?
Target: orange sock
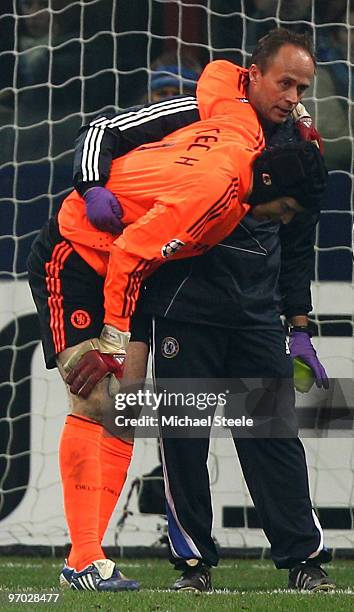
column 115, row 460
column 80, row 467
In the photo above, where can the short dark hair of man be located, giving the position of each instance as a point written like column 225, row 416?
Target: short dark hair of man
column 269, row 45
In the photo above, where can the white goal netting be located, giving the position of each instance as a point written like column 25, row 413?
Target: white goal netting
column 64, row 61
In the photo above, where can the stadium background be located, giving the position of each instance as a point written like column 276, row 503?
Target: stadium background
column 63, row 62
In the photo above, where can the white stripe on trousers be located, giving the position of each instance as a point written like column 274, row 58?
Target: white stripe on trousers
column 196, row 553
column 318, row 525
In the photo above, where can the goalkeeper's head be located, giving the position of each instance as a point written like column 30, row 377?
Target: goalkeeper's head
column 294, row 175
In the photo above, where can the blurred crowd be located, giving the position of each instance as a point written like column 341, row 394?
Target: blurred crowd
column 62, row 63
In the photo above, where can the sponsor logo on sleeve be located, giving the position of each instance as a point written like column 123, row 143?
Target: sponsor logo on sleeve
column 171, row 247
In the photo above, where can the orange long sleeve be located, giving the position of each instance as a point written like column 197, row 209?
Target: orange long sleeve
column 180, row 196
column 201, row 205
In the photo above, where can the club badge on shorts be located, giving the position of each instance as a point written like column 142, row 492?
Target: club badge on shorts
column 169, row 347
column 80, row 319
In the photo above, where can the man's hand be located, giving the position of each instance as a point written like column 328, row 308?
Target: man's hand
column 103, row 210
column 301, row 346
column 103, row 354
column 305, row 127
column 91, row 369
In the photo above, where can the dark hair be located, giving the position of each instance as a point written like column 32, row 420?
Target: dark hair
column 268, row 46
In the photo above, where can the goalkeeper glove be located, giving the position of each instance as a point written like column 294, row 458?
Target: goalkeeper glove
column 301, row 346
column 304, row 125
column 96, row 358
column 91, row 369
column 103, row 210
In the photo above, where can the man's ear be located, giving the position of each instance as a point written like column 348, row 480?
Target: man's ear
column 254, row 74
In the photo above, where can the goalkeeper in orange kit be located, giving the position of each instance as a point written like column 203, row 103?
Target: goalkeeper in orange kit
column 169, row 206
column 180, row 197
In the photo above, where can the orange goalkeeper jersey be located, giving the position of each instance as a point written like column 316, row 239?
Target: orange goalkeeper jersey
column 180, row 196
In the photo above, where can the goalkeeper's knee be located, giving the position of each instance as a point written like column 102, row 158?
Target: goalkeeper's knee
column 98, row 396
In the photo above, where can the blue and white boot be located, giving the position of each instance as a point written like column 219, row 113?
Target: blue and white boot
column 102, row 575
column 65, row 576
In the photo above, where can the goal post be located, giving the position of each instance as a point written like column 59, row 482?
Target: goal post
column 66, row 61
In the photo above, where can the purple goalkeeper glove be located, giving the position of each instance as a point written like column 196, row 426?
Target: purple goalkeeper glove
column 301, row 346
column 103, row 210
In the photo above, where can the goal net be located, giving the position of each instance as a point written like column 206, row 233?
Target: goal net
column 63, row 62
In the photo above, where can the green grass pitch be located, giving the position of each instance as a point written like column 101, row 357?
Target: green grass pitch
column 244, row 585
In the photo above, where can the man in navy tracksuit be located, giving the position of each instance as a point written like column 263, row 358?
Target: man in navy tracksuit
column 217, row 316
